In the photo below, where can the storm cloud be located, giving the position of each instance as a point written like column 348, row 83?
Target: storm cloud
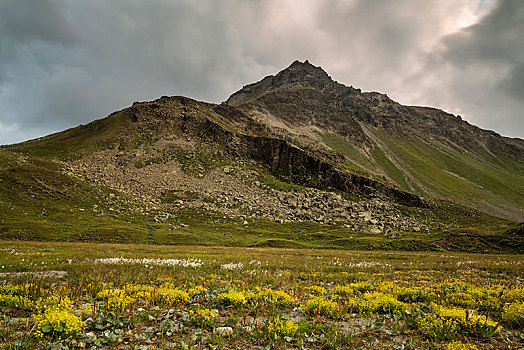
column 63, row 63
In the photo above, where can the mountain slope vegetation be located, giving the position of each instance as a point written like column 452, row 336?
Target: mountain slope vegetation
column 295, row 160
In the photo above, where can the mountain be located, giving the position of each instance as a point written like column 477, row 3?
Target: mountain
column 418, row 149
column 295, row 159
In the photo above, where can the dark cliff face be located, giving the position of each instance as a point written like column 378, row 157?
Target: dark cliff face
column 181, row 116
column 303, row 168
column 293, row 163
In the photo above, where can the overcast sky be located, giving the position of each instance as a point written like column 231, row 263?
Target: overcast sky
column 63, row 63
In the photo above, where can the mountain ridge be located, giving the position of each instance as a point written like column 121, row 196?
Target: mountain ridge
column 363, row 119
column 296, row 148
column 306, row 74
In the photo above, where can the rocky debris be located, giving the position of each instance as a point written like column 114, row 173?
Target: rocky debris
column 161, row 189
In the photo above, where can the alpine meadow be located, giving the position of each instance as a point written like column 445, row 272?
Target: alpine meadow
column 299, row 213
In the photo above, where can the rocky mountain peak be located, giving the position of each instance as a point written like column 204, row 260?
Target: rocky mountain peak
column 297, row 74
column 303, row 73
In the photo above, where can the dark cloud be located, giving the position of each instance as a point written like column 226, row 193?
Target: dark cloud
column 66, row 62
column 484, row 68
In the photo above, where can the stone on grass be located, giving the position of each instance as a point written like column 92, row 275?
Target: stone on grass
column 224, row 331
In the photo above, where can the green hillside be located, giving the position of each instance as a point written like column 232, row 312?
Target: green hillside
column 295, row 160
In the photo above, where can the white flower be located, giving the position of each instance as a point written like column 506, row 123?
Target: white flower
column 233, row 266
column 159, row 262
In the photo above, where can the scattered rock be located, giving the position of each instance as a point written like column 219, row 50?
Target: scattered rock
column 239, row 195
column 375, row 229
column 224, row 331
column 366, row 215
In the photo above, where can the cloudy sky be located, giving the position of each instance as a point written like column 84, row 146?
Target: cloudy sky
column 67, row 62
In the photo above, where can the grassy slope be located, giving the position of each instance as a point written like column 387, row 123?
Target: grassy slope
column 481, row 181
column 359, row 161
column 470, row 180
column 38, row 202
column 78, row 141
column 42, row 204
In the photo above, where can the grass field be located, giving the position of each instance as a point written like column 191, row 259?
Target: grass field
column 430, row 167
column 79, row 295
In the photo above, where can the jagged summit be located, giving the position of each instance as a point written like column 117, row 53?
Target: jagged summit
column 302, row 74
